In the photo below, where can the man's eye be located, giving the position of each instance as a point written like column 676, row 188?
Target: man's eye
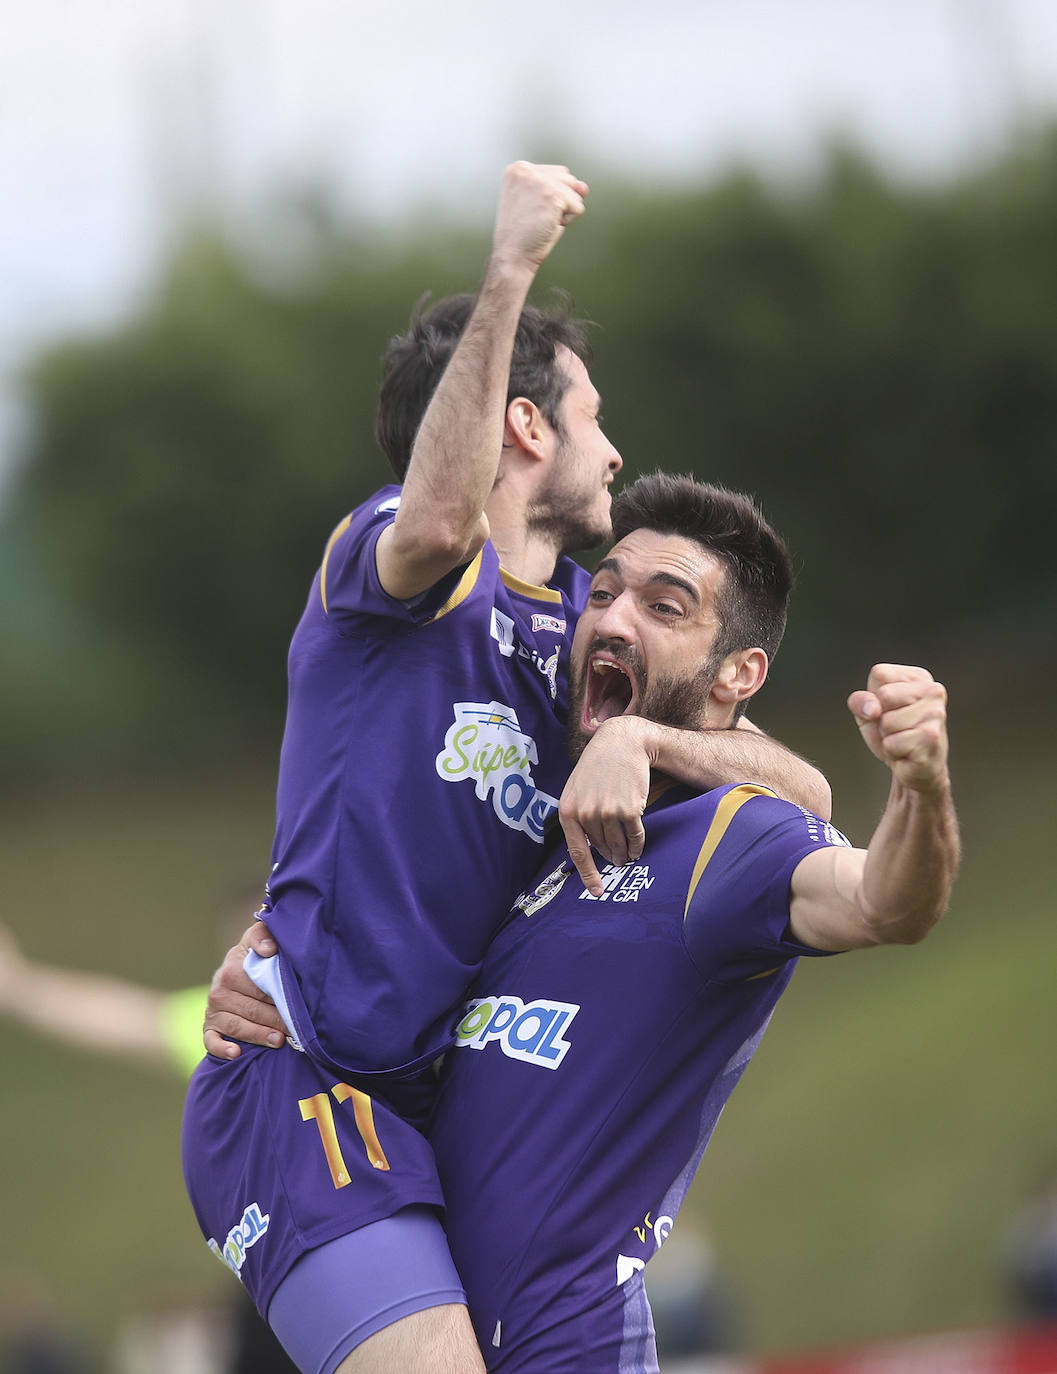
column 598, row 594
column 666, row 608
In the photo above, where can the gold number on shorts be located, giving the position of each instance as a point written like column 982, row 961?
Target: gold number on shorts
column 319, row 1110
column 364, row 1113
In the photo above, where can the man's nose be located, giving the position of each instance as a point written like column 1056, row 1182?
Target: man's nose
column 615, row 460
column 617, row 621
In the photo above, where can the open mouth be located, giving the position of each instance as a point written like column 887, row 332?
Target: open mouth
column 610, row 691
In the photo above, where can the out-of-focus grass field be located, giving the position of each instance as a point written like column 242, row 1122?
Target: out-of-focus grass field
column 858, row 1185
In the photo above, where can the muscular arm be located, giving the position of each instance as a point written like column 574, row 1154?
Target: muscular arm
column 714, row 757
column 896, row 890
column 611, row 781
column 441, row 523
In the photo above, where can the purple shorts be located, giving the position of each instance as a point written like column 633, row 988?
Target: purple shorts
column 280, row 1158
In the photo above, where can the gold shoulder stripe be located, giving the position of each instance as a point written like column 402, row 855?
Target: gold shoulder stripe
column 529, row 588
column 326, row 555
column 464, row 588
column 725, row 813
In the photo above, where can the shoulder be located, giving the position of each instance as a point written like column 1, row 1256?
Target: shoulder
column 350, row 581
column 736, row 918
column 748, row 809
column 745, row 834
column 374, row 513
column 369, row 517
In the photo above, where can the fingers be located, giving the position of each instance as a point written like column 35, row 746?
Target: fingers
column 234, row 1017
column 892, row 682
column 903, row 720
column 603, row 800
column 219, row 1047
column 236, row 1007
column 569, row 191
column 583, row 859
column 260, row 939
column 536, row 204
column 620, row 839
column 620, row 842
column 864, row 705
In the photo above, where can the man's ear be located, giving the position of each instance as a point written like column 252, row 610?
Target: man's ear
column 525, row 427
column 740, row 676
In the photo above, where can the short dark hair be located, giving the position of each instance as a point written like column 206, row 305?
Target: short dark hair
column 754, row 597
column 414, row 363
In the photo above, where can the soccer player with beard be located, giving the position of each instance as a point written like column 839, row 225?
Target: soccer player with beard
column 605, row 1034
column 423, row 757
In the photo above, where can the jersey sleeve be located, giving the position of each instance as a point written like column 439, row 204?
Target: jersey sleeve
column 348, row 583
column 737, row 908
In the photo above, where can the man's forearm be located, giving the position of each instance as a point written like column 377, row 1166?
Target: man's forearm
column 711, row 758
column 896, row 890
column 441, row 521
column 456, row 453
column 910, row 865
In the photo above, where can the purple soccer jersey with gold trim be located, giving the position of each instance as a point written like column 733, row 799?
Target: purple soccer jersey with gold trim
column 423, row 756
column 601, row 1042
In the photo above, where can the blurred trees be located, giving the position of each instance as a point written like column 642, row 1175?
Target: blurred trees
column 877, row 363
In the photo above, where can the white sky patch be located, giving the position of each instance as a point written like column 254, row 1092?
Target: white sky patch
column 115, row 116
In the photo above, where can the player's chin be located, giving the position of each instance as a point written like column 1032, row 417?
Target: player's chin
column 598, row 533
column 598, row 519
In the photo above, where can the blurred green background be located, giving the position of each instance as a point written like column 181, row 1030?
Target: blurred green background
column 878, row 364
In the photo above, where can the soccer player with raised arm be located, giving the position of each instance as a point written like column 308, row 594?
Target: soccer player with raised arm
column 422, row 761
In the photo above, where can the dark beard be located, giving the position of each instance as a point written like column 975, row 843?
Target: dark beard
column 556, row 512
column 570, row 532
column 681, row 702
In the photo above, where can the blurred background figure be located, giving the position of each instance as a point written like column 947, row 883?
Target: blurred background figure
column 95, row 1011
column 115, row 1016
column 35, row 1333
column 1030, row 1252
column 694, row 1309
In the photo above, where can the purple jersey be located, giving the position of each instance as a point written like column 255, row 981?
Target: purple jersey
column 602, row 1041
column 423, row 757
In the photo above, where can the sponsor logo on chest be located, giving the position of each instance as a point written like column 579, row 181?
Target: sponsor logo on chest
column 529, row 1031
column 485, row 743
column 626, row 884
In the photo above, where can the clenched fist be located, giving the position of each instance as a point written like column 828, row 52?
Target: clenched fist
column 535, row 205
column 902, row 716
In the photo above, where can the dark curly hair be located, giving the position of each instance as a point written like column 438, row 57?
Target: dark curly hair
column 414, row 363
column 754, row 598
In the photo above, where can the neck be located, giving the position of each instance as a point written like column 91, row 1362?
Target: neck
column 530, row 553
column 529, row 558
